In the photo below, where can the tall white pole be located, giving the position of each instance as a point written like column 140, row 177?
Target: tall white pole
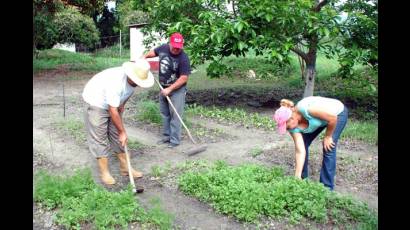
column 120, row 43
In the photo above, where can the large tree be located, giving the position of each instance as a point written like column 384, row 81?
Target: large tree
column 56, row 21
column 360, row 31
column 91, row 8
column 74, row 27
column 216, row 28
column 44, row 30
column 106, row 24
column 126, row 16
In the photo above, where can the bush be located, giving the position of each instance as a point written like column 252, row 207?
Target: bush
column 74, row 27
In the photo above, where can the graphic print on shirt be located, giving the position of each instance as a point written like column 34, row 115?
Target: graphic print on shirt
column 168, row 67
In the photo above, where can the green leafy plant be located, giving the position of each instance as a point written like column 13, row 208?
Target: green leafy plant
column 105, row 209
column 51, row 190
column 250, row 191
column 79, row 200
column 156, row 171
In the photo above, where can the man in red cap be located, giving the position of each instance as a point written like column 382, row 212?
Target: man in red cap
column 174, row 69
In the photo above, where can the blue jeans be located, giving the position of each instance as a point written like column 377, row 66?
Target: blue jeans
column 170, row 121
column 328, row 170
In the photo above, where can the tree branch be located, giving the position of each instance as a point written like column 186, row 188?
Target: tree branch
column 319, row 6
column 233, row 8
column 300, row 53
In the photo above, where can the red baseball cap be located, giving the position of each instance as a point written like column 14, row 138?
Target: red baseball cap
column 177, row 40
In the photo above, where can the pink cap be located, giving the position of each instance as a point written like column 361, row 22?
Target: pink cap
column 281, row 116
column 177, row 40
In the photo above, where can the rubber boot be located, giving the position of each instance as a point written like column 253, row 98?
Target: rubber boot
column 124, row 166
column 104, row 171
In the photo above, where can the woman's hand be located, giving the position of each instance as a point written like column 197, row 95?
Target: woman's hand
column 328, row 143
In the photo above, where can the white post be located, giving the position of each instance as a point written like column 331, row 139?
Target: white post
column 132, row 43
column 136, row 43
column 120, row 43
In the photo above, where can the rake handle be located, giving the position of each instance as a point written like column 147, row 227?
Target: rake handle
column 134, row 189
column 175, row 110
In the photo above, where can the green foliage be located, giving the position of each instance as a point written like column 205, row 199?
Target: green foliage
column 263, row 68
column 44, row 30
column 128, row 16
column 345, row 208
column 58, row 22
column 359, row 91
column 74, row 27
column 106, row 24
column 51, row 190
column 105, row 209
column 360, row 33
column 156, row 170
column 235, row 115
column 217, row 69
column 271, row 29
column 149, row 111
column 79, row 200
column 249, row 191
column 86, row 7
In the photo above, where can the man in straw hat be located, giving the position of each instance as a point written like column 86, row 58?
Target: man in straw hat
column 106, row 94
column 174, row 69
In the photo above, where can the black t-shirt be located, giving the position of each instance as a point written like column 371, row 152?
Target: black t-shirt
column 171, row 66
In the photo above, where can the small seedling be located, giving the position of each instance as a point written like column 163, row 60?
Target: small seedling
column 256, row 151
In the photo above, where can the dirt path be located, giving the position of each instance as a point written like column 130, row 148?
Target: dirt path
column 55, row 151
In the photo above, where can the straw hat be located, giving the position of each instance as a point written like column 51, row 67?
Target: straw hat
column 139, row 72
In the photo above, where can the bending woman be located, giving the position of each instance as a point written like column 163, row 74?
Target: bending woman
column 304, row 122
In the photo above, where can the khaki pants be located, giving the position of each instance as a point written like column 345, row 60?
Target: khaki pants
column 102, row 135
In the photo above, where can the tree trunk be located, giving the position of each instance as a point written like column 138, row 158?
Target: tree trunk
column 310, row 75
